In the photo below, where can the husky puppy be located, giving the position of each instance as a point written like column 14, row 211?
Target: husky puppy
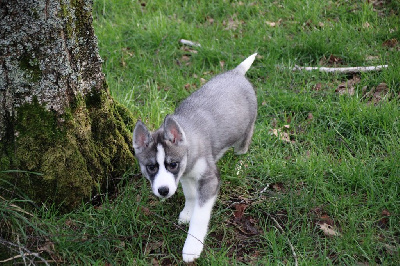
column 187, row 146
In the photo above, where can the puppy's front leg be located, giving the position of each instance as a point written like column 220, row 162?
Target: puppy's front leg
column 207, row 188
column 190, row 192
column 197, row 230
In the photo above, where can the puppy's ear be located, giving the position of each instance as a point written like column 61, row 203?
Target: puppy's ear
column 173, row 131
column 141, row 137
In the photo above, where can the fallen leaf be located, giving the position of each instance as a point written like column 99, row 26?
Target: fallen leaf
column 380, row 92
column 375, row 95
column 335, row 60
column 281, row 135
column 278, row 186
column 347, row 87
column 317, row 87
column 210, row 20
column 328, row 230
column 188, row 49
column 153, row 246
column 366, row 25
column 270, row 23
column 383, row 223
column 390, row 43
column 239, row 210
column 232, row 23
column 127, row 51
column 185, row 58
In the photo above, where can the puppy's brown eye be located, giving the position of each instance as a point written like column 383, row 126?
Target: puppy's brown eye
column 152, row 168
column 172, row 167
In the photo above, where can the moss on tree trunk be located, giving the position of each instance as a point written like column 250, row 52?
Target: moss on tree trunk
column 62, row 136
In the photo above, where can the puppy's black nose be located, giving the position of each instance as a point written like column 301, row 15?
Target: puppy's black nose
column 163, row 191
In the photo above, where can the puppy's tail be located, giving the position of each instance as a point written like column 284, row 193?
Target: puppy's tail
column 245, row 65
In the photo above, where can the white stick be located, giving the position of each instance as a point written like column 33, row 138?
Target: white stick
column 189, row 43
column 296, row 263
column 342, row 69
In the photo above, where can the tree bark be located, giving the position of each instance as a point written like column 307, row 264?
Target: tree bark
column 62, row 136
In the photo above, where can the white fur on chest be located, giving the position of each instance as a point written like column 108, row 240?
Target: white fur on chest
column 199, row 168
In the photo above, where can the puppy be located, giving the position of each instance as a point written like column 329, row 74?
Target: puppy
column 186, row 148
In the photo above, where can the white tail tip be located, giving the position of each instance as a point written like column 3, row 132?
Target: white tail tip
column 246, row 64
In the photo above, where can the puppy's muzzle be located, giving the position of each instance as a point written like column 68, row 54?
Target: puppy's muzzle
column 163, row 191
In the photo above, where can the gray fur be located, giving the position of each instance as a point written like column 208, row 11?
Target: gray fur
column 220, row 115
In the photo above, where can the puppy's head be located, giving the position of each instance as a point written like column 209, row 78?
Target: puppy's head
column 162, row 155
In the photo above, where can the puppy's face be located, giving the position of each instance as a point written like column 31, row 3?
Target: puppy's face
column 162, row 156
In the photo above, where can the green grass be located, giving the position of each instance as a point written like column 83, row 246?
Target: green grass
column 341, row 167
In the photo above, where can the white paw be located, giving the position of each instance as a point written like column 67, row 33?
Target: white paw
column 184, row 217
column 192, row 249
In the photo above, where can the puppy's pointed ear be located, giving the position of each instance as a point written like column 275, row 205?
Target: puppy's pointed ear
column 141, row 137
column 173, row 131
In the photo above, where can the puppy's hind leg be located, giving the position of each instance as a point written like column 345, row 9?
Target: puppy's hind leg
column 242, row 146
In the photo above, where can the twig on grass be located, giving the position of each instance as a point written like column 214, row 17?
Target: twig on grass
column 289, row 242
column 341, row 69
column 24, row 252
column 189, row 43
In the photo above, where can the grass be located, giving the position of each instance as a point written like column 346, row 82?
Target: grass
column 340, row 168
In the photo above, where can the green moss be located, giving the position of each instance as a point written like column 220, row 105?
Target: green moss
column 85, row 152
column 31, row 67
column 93, row 99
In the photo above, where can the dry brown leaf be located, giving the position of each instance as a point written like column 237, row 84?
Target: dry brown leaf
column 188, row 49
column 210, row 20
column 232, row 23
column 317, row 87
column 328, row 230
column 185, row 58
column 278, row 187
column 239, row 210
column 390, row 43
column 380, row 92
column 335, row 60
column 375, row 95
column 153, row 246
column 347, row 87
column 281, row 135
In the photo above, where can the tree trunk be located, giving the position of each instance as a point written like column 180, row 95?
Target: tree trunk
column 62, row 136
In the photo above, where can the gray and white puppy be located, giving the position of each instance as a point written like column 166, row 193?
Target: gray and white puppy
column 187, row 146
